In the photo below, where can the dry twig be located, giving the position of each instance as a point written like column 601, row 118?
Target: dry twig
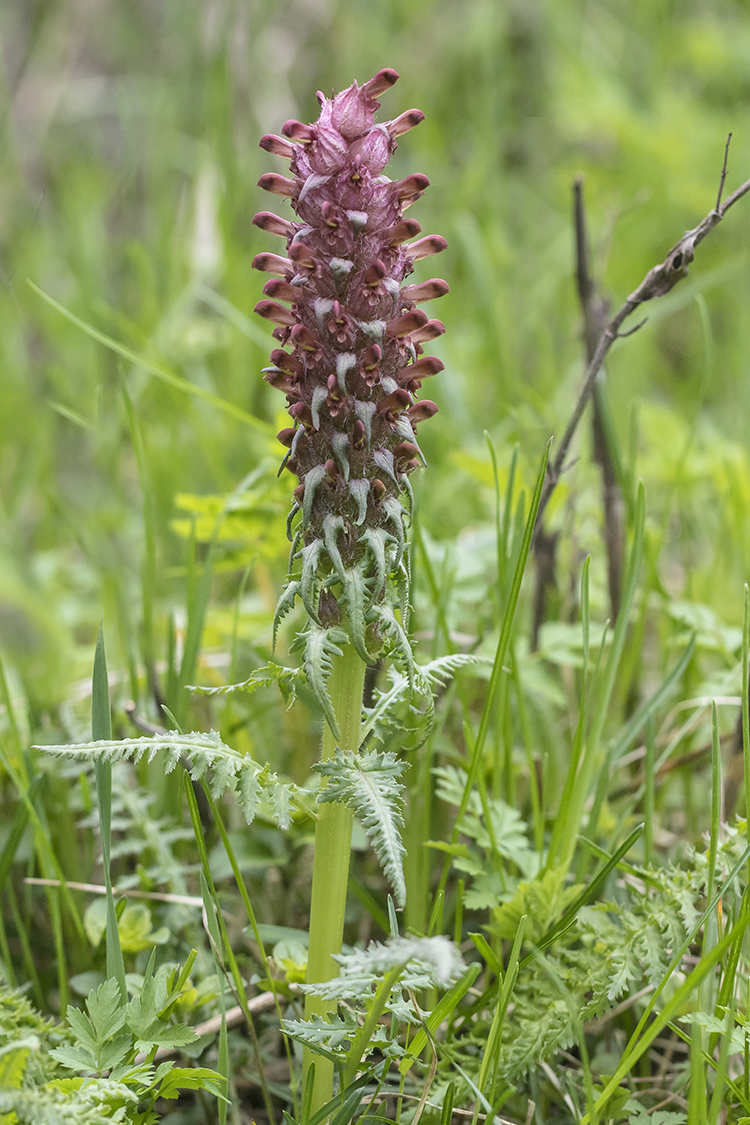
column 659, row 281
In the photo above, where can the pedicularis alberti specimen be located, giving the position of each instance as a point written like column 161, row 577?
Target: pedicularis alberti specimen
column 351, row 362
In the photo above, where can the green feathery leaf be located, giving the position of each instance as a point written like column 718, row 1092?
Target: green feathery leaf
column 369, row 785
column 229, row 769
column 355, row 597
column 284, row 605
column 320, row 646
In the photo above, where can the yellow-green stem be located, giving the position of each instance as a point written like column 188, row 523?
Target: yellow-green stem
column 333, row 839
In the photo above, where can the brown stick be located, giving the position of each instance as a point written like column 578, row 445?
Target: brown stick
column 658, row 281
column 595, row 311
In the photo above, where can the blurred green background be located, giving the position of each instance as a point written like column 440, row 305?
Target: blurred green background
column 128, row 178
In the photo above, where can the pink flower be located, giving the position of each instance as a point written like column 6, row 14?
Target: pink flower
column 355, row 366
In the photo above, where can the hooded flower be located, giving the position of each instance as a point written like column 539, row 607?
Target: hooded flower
column 350, row 360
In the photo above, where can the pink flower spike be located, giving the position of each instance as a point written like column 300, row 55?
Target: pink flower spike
column 349, row 356
column 432, row 244
column 425, row 290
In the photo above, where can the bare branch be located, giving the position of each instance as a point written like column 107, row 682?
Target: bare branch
column 658, row 281
column 723, row 172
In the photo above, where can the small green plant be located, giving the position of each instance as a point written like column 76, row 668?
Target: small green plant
column 101, row 1066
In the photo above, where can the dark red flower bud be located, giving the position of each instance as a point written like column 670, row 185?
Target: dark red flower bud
column 378, row 490
column 423, row 368
column 277, row 145
column 303, row 413
column 298, row 131
column 431, row 331
column 271, row 263
column 425, row 290
column 286, row 437
column 404, row 122
column 432, row 244
column 406, row 191
column 407, row 324
column 274, row 224
column 281, row 290
column 282, row 359
column 382, row 81
column 328, row 213
column 303, row 338
column 395, row 402
column 407, row 228
column 372, row 357
column 270, row 310
column 278, row 185
column 421, row 411
column 302, row 255
column 405, row 451
column 277, row 378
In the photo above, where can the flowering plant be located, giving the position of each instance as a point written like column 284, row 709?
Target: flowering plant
column 351, row 364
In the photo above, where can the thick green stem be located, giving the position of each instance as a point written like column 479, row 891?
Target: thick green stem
column 333, row 840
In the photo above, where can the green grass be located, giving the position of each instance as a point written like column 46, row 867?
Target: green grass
column 138, row 481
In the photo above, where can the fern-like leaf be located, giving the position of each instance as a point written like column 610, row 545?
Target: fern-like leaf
column 332, row 525
column 320, row 646
column 369, row 785
column 271, row 673
column 355, row 597
column 308, row 584
column 426, row 678
column 378, row 541
column 284, row 605
column 208, row 755
column 391, row 626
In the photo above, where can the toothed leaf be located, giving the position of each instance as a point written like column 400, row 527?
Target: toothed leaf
column 396, row 518
column 283, row 606
column 320, row 394
column 355, row 597
column 308, row 584
column 398, row 638
column 369, row 785
column 321, row 645
column 360, row 490
column 377, row 540
column 331, row 527
column 340, row 444
column 208, row 756
column 312, row 480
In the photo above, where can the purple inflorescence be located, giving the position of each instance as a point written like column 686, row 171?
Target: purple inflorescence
column 351, row 337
